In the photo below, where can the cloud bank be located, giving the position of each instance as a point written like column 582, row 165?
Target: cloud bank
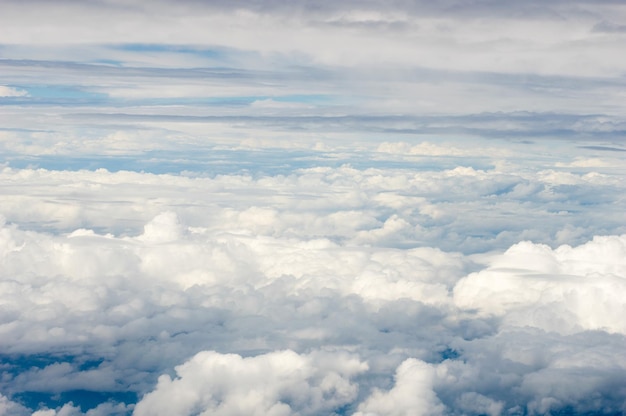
column 80, row 80
column 296, row 295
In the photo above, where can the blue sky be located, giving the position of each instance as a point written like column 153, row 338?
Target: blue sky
column 278, row 208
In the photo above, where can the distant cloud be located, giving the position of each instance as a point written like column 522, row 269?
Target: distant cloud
column 6, row 91
column 605, row 148
column 608, row 27
column 422, row 149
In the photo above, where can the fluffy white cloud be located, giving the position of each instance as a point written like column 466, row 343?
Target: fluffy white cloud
column 140, row 305
column 412, row 393
column 564, row 290
column 277, row 383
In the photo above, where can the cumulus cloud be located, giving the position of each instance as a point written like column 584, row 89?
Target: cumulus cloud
column 10, row 408
column 411, row 394
column 278, row 383
column 381, row 207
column 564, row 290
column 475, row 334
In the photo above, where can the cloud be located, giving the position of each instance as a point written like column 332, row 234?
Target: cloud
column 393, row 32
column 278, row 383
column 474, row 334
column 163, row 228
column 608, row 27
column 412, row 393
column 6, row 91
column 375, row 206
column 564, row 290
column 10, row 408
column 237, row 208
column 425, row 149
column 104, row 409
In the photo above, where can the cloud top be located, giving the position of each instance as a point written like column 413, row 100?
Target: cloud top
column 278, row 383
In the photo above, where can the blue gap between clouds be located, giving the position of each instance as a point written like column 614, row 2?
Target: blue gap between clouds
column 155, row 47
column 85, row 399
column 224, row 162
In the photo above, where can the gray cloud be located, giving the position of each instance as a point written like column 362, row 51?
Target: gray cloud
column 608, row 27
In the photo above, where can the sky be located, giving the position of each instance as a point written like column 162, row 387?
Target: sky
column 312, row 208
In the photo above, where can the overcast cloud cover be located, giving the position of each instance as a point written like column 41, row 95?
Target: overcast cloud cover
column 312, row 208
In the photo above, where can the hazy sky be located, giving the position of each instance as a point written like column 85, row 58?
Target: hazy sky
column 312, row 208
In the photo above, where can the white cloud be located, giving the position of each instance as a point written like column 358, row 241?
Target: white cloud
column 145, row 303
column 422, row 149
column 163, row 228
column 6, row 91
column 382, row 207
column 104, row 409
column 10, row 408
column 417, row 62
column 537, row 45
column 277, row 383
column 411, row 394
column 564, row 290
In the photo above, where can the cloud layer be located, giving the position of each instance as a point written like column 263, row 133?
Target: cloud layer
column 302, row 294
column 304, row 208
column 101, row 77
